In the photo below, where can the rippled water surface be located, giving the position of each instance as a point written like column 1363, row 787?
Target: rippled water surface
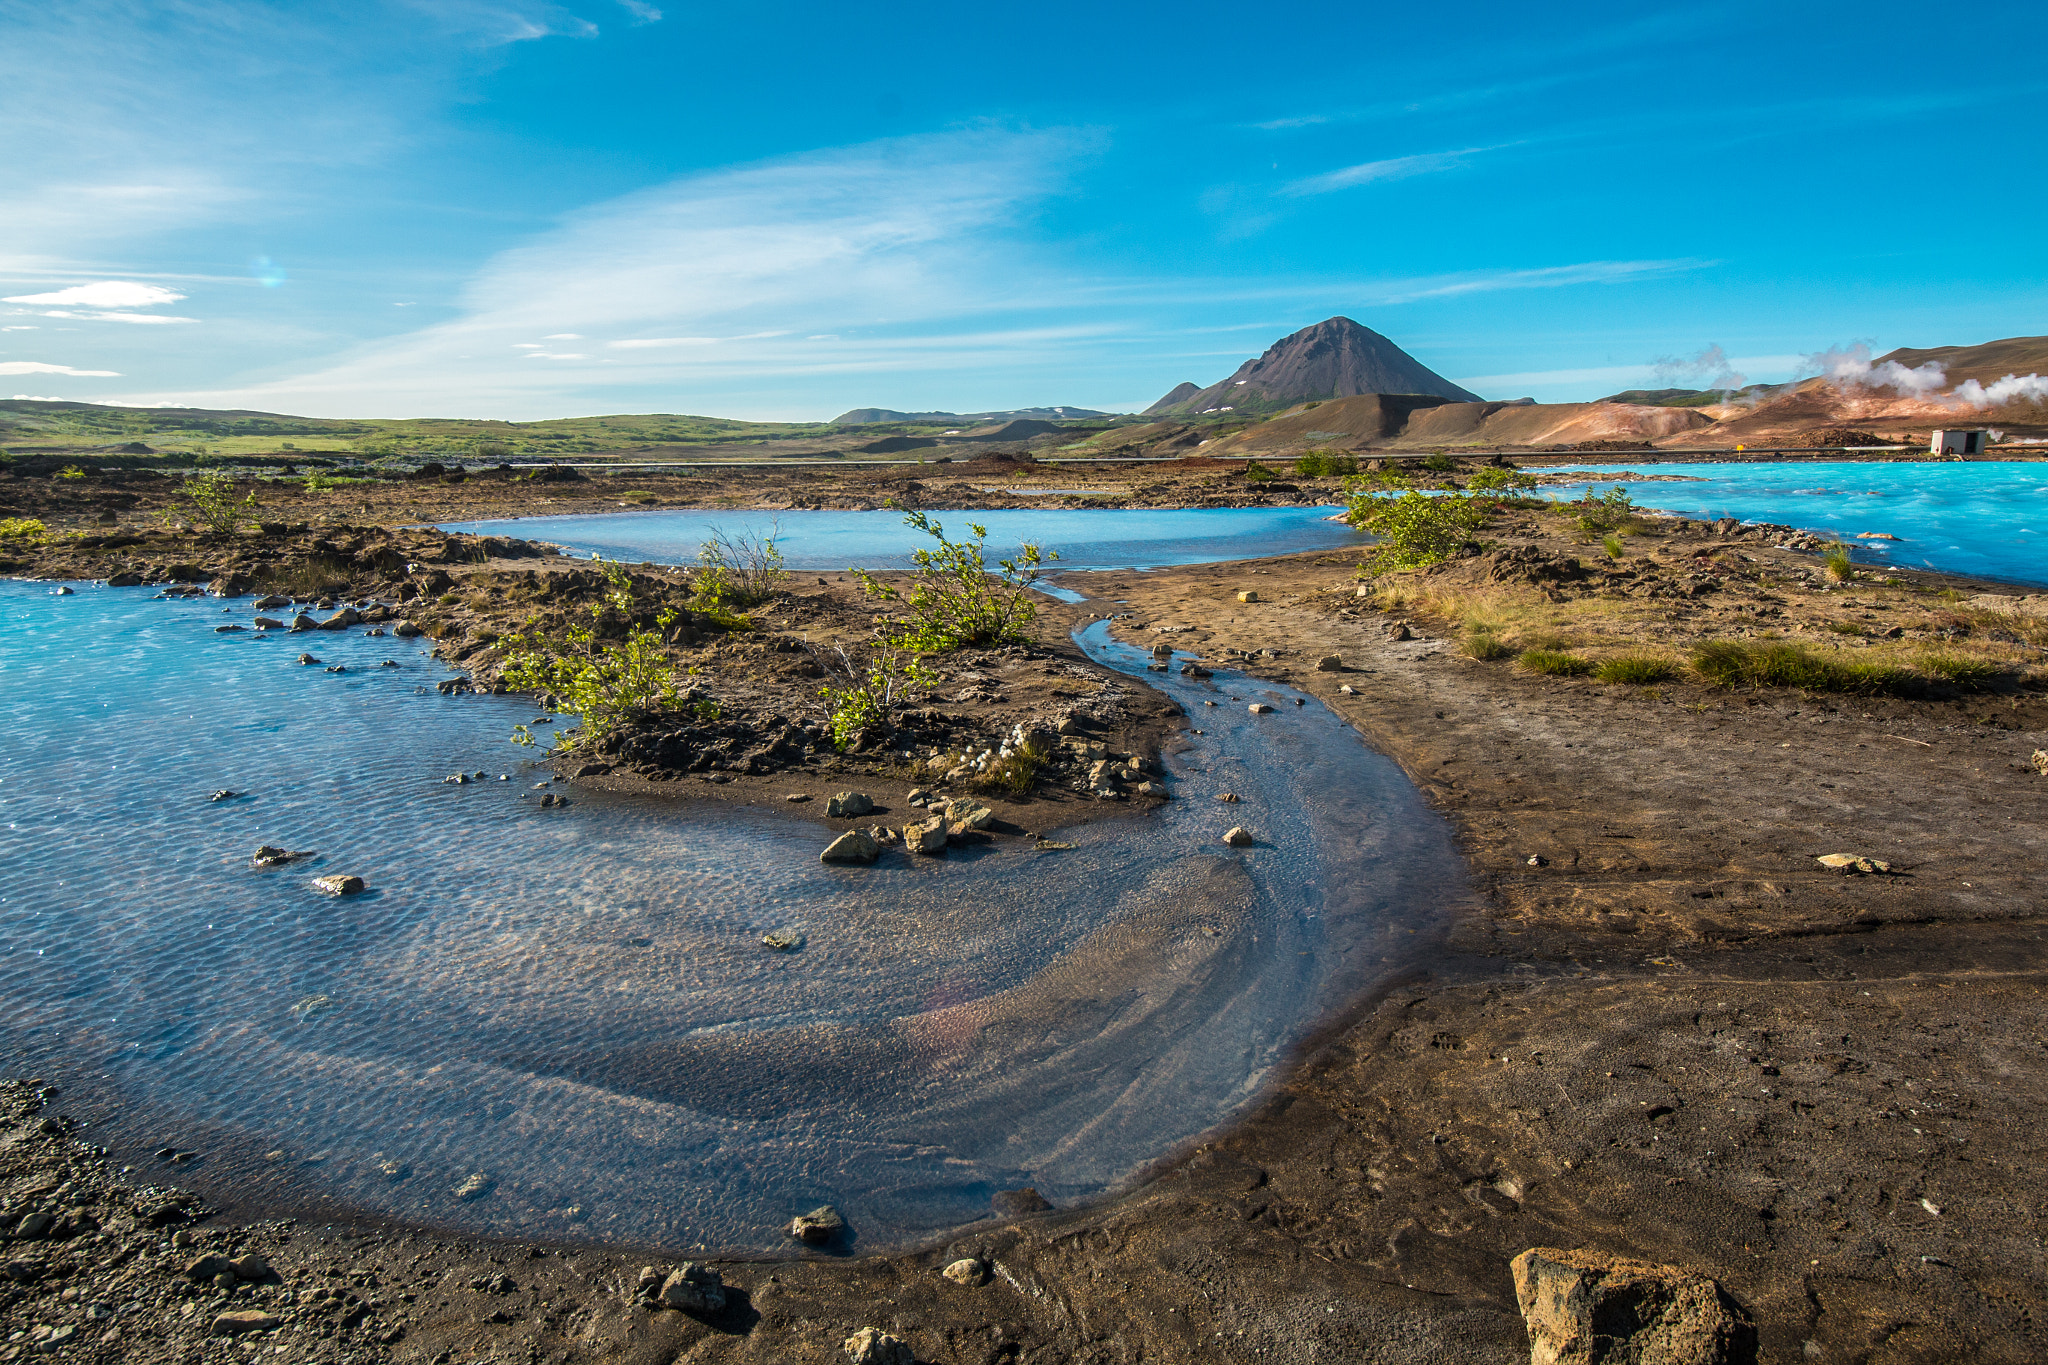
column 575, row 1004
column 1086, row 538
column 1988, row 519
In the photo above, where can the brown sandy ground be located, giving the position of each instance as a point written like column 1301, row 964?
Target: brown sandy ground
column 1671, row 1035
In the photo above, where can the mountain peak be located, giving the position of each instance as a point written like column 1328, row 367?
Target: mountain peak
column 1336, row 358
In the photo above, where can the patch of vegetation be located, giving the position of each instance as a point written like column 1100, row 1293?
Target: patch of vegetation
column 1500, row 481
column 69, row 471
column 1835, row 562
column 1639, row 670
column 23, row 528
column 1415, row 530
column 1847, row 628
column 1480, row 642
column 953, row 599
column 868, row 700
column 1600, row 514
column 738, row 570
column 1960, row 670
column 1613, row 546
column 1323, row 463
column 208, row 498
column 1254, row 472
column 1733, row 663
column 1014, row 774
column 1440, row 463
column 605, row 683
column 1553, row 663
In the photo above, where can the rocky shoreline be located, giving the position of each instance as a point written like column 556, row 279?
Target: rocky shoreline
column 1669, row 1032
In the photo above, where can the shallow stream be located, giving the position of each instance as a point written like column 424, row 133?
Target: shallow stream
column 574, row 1005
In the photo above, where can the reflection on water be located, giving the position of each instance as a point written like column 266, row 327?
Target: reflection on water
column 1084, row 537
column 575, row 1003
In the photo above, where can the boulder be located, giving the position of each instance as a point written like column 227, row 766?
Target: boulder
column 343, row 619
column 1398, row 630
column 783, row 940
column 273, row 602
column 269, row 855
column 244, row 1320
column 854, row 846
column 1011, row 1203
column 339, row 885
column 926, row 836
column 820, row 1225
column 127, row 578
column 474, row 1186
column 406, row 630
column 1581, row 1307
column 847, row 805
column 250, row 1266
column 1237, row 836
column 1852, row 863
column 872, row 1346
column 967, row 1270
column 208, row 1268
column 1249, row 595
column 1259, row 708
column 1330, row 663
column 267, row 623
column 693, row 1288
column 304, row 622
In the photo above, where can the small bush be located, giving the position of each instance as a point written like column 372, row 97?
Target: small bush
column 1960, row 670
column 604, row 683
column 1609, row 511
column 209, row 499
column 1440, row 463
column 1484, row 644
column 867, row 701
column 954, row 601
column 1639, row 670
column 69, row 471
column 1415, row 530
column 1554, row 663
column 1323, row 463
column 1254, row 472
column 1501, row 481
column 1836, row 563
column 23, row 528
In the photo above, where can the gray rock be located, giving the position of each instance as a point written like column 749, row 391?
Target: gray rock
column 1582, row 1308
column 304, row 622
column 797, row 798
column 847, row 805
column 244, row 1320
column 343, row 619
column 1330, row 663
column 207, row 1268
column 927, row 837
column 1852, row 863
column 127, row 578
column 223, row 630
column 854, row 846
column 273, row 602
column 1237, row 836
column 784, row 940
column 1259, row 708
column 693, row 1288
column 821, row 1224
column 269, row 855
column 1398, row 630
column 872, row 1346
column 339, row 885
column 968, row 1271
column 1011, row 1203
column 474, row 1186
column 267, row 623
column 307, row 660
column 406, row 630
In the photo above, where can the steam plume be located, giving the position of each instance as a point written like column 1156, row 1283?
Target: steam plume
column 1708, row 370
column 1849, row 366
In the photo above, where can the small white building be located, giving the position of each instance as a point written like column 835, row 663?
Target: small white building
column 1959, row 443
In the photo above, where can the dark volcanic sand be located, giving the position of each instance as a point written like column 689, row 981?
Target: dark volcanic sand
column 1675, row 1036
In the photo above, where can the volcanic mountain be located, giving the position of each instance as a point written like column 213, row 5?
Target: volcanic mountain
column 1333, row 359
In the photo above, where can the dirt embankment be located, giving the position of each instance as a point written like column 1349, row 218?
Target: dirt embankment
column 1667, row 1031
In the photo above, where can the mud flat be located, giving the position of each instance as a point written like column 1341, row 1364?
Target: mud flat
column 1665, row 1030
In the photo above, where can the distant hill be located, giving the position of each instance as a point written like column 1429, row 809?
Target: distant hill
column 1176, row 398
column 1336, row 358
column 1986, row 364
column 867, row 416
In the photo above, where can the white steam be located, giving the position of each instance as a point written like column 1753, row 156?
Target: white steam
column 1707, row 370
column 1850, row 366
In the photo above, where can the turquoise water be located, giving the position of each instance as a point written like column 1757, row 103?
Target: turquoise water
column 1086, row 538
column 574, row 1003
column 1988, row 520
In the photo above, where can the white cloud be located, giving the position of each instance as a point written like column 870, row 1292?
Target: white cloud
column 1393, row 168
column 36, row 398
column 901, row 248
column 38, row 367
column 103, row 294
column 114, row 317
column 563, row 336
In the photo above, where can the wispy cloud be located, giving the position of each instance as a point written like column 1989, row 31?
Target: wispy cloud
column 38, row 367
column 899, row 252
column 103, row 294
column 1392, row 168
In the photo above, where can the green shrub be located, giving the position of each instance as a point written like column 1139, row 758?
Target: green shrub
column 1554, row 663
column 493, row 450
column 1599, row 514
column 868, row 700
column 954, row 601
column 1960, row 670
column 1254, row 472
column 1613, row 546
column 1479, row 643
column 1323, row 463
column 1500, row 481
column 603, row 683
column 1732, row 663
column 209, row 499
column 1836, row 563
column 1440, row 463
column 1637, row 669
column 69, row 471
column 738, row 570
column 1415, row 530
column 23, row 528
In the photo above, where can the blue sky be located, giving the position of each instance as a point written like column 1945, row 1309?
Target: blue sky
column 511, row 208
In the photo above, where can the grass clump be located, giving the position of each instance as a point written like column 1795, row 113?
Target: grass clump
column 954, row 601
column 1836, row 563
column 737, row 570
column 1555, row 663
column 1013, row 774
column 1638, row 670
column 1480, row 642
column 1613, row 546
column 320, row 576
column 1960, row 670
column 1732, row 663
